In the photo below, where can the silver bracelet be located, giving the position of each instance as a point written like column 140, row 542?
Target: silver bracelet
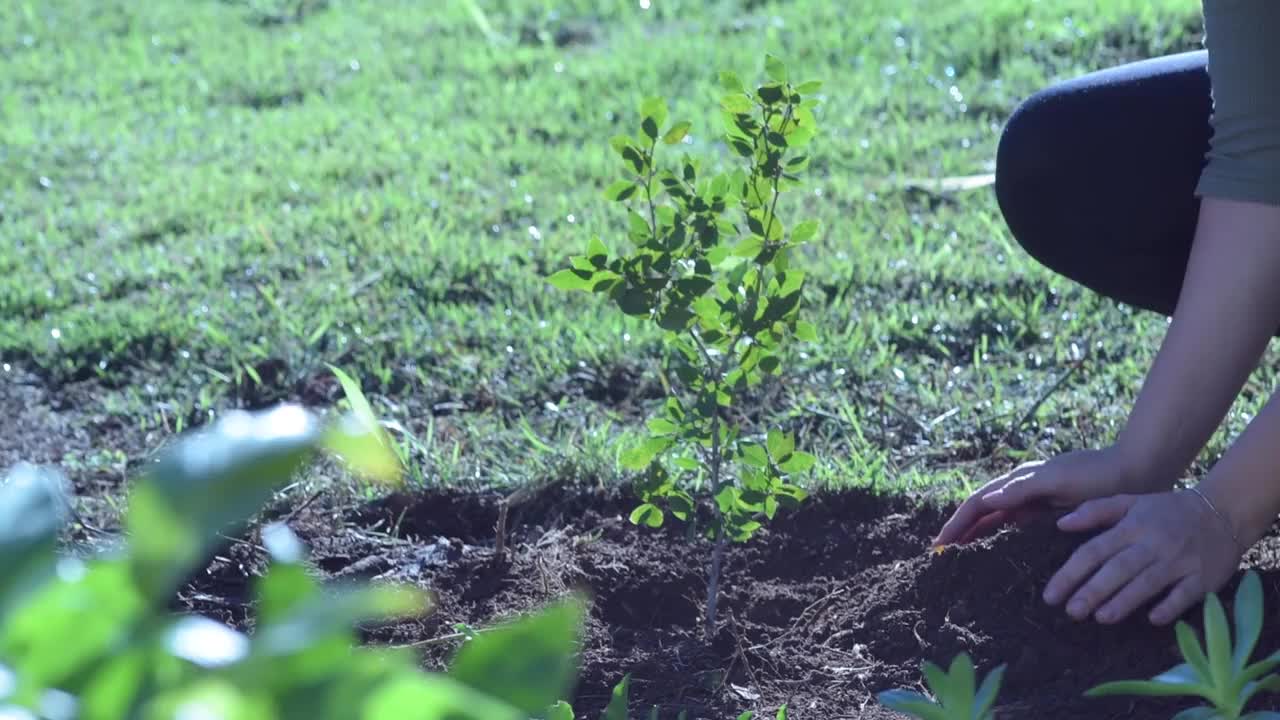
column 1221, row 517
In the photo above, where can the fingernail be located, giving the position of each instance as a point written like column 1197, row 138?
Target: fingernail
column 1076, row 608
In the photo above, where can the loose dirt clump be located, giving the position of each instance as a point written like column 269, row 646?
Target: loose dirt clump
column 832, row 604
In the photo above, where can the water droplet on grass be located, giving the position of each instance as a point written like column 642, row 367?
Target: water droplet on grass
column 535, row 233
column 45, row 182
column 56, row 334
column 571, row 218
column 644, row 4
column 559, row 67
column 8, row 367
column 354, row 65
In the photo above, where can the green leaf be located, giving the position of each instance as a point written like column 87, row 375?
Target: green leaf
column 285, row 586
column 571, row 279
column 650, row 128
column 113, row 690
column 810, row 87
column 211, row 697
column 315, row 631
column 730, row 82
column 770, row 506
column 656, row 108
column 1189, row 646
column 620, row 143
column 770, row 94
column 798, row 462
column 1217, row 640
column 774, row 68
column 805, row 231
column 662, row 426
column 620, row 191
column 639, row 457
column 742, row 531
column 746, row 715
column 617, row 708
column 749, row 248
column 736, row 104
column 675, row 318
column 686, row 463
column 986, row 696
column 727, row 499
column 1257, row 669
column 73, row 624
column 911, row 703
column 634, row 301
column 528, row 664
column 1180, row 680
column 754, row 455
column 782, row 713
column 635, row 159
column 205, row 643
column 597, row 253
column 364, row 452
column 680, row 504
column 647, row 514
column 962, row 681
column 780, row 444
column 792, row 282
column 34, row 507
column 677, row 132
column 1248, row 617
column 938, row 681
column 209, row 483
column 560, row 711
column 806, row 332
column 430, row 696
column 800, row 136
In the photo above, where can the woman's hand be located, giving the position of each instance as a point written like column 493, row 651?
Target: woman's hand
column 1033, row 488
column 1163, row 541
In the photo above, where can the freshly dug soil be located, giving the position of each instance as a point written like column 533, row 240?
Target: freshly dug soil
column 833, row 603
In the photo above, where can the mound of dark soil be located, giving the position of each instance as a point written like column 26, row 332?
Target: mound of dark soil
column 834, row 603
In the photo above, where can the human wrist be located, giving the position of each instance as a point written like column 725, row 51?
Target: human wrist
column 1140, row 468
column 1237, row 500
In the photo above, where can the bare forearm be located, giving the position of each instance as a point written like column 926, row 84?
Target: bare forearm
column 1228, row 310
column 1244, row 485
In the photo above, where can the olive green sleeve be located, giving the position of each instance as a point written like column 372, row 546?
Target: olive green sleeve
column 1242, row 38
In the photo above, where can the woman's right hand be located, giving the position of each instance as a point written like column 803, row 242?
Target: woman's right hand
column 1033, row 488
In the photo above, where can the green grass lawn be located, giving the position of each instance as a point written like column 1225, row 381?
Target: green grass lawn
column 203, row 202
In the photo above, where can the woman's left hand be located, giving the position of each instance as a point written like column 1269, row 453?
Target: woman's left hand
column 1158, row 542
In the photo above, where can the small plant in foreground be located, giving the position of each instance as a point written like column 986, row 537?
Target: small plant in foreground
column 94, row 638
column 1223, row 675
column 954, row 690
column 727, row 302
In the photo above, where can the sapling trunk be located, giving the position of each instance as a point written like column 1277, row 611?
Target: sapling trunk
column 717, row 555
column 713, row 584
